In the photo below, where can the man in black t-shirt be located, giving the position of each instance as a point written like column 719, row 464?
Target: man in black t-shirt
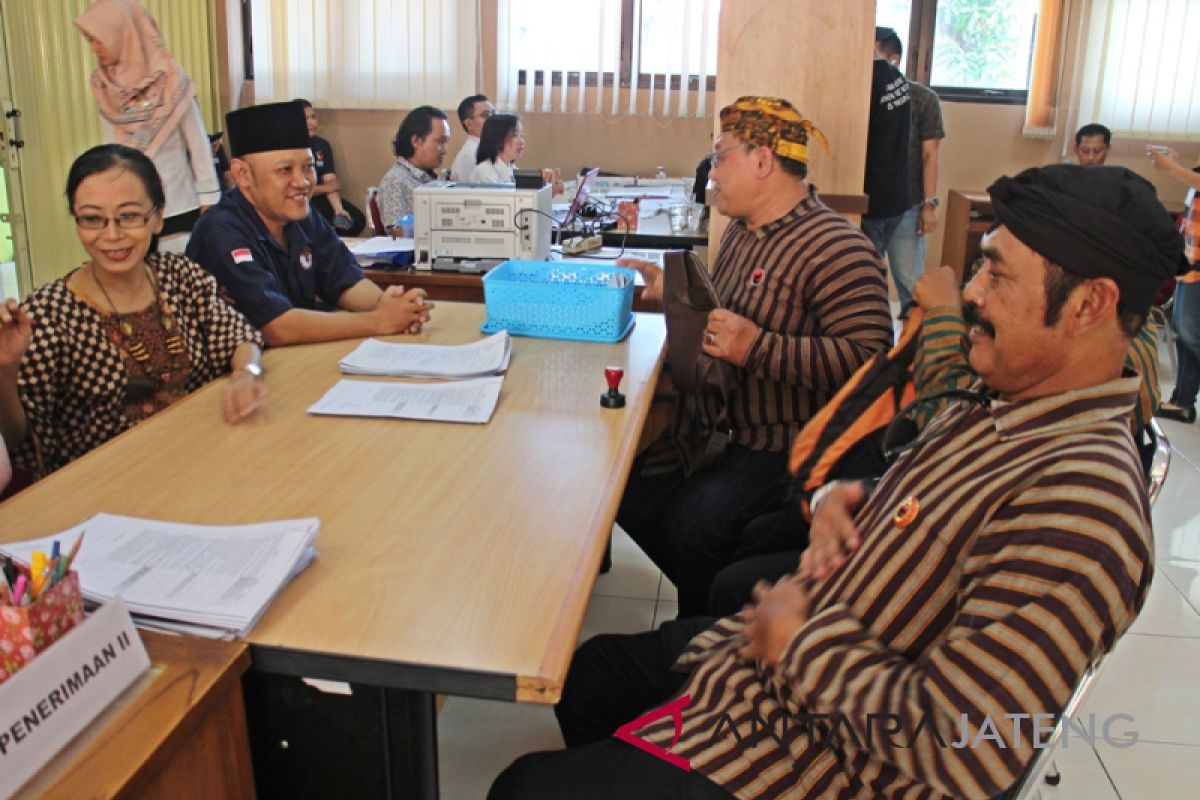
column 886, row 178
column 347, row 220
column 906, row 250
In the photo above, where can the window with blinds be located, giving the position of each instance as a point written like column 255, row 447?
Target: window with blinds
column 365, row 53
column 612, row 57
column 1141, row 76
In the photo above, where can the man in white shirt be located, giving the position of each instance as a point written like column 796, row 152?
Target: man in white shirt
column 473, row 111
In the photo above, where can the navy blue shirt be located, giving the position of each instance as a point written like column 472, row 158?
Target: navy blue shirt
column 263, row 279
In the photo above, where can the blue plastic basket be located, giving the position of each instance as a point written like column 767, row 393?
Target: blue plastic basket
column 559, row 300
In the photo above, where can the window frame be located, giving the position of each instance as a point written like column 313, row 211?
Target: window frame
column 624, row 69
column 922, row 31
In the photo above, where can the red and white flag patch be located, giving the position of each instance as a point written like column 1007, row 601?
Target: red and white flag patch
column 241, row 255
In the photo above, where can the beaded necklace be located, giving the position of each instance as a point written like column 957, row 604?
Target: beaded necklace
column 128, row 339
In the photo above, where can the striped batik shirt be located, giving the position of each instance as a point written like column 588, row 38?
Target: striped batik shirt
column 817, row 291
column 1000, row 555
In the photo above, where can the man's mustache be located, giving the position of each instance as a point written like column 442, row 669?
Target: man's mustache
column 972, row 317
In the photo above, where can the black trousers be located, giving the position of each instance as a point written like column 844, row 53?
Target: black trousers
column 692, row 528
column 613, row 679
column 734, row 585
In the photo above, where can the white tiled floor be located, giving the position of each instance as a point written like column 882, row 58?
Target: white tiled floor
column 1153, row 675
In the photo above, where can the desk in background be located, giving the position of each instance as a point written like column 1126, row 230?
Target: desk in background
column 179, row 731
column 468, row 287
column 655, row 231
column 968, row 217
column 455, row 559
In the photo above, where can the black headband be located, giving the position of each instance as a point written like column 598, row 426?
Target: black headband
column 1095, row 222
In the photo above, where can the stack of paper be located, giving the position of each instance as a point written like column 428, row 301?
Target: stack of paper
column 200, row 579
column 460, row 401
column 488, row 356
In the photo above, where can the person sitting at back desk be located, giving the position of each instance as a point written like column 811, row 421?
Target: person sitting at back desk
column 1092, row 142
column 473, row 113
column 327, row 198
column 999, row 556
column 279, row 261
column 500, row 145
column 805, row 305
column 420, row 146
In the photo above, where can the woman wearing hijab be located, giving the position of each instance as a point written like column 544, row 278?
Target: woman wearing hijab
column 148, row 102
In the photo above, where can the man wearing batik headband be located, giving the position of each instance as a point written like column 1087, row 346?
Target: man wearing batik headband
column 805, row 304
column 281, row 263
column 956, row 604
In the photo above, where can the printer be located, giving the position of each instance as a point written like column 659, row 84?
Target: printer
column 470, row 227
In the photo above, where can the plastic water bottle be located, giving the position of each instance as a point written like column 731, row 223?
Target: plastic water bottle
column 404, row 226
column 660, row 172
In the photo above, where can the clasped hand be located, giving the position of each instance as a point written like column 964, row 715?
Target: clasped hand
column 772, row 620
column 403, row 312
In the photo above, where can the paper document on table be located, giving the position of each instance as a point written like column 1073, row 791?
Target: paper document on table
column 487, row 356
column 219, row 577
column 461, row 401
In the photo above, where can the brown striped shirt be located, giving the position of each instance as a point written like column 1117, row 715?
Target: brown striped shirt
column 814, row 286
column 1030, row 553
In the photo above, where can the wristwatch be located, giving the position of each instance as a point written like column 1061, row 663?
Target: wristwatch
column 931, row 201
column 252, row 369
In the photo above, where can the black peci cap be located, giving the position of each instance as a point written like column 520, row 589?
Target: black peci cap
column 260, row 129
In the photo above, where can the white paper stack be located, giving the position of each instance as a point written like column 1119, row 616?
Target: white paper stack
column 471, row 401
column 205, row 580
column 488, row 356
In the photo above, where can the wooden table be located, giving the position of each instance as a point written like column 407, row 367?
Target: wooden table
column 655, row 231
column 453, row 558
column 179, row 731
column 466, row 287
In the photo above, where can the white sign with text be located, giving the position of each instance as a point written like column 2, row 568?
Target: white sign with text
column 54, row 697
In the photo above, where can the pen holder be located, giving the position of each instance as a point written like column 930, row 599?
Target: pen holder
column 627, row 210
column 25, row 632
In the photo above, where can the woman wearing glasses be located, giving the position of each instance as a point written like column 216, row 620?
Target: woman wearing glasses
column 121, row 337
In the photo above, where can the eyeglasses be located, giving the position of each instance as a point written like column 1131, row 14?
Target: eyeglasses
column 128, row 220
column 484, row 114
column 714, row 158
